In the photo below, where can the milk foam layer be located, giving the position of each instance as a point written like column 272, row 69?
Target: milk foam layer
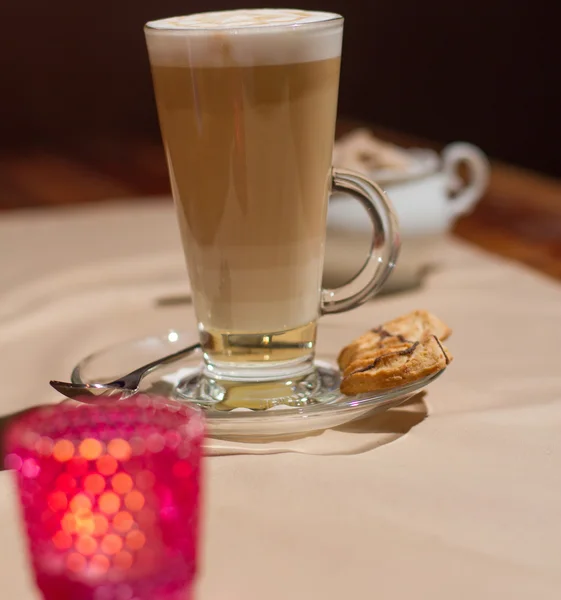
column 261, row 17
column 244, row 38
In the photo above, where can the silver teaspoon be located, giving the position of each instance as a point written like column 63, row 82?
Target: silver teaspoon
column 124, row 386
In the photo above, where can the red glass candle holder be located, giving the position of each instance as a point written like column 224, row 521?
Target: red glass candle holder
column 110, row 497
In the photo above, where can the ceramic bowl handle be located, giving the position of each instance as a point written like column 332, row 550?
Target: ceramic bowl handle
column 478, row 168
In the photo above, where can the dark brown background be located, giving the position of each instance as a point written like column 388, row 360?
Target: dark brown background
column 485, row 71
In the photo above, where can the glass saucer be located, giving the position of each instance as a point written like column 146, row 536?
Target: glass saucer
column 330, row 408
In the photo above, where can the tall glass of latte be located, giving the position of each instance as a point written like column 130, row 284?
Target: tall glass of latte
column 247, row 101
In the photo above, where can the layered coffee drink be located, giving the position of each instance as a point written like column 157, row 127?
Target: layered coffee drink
column 247, row 103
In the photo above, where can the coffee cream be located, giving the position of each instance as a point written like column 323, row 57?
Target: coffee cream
column 245, row 37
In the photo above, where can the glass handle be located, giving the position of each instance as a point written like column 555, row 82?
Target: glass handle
column 383, row 249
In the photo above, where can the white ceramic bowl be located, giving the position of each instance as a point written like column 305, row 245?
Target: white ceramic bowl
column 427, row 204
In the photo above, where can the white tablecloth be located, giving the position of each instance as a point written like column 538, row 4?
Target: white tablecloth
column 466, row 505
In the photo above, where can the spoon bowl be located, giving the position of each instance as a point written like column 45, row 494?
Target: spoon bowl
column 89, row 392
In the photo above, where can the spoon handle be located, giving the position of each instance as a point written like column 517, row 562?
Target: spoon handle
column 132, row 380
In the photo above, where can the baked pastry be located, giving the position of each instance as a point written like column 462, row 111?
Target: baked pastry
column 365, row 358
column 409, row 328
column 395, row 366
